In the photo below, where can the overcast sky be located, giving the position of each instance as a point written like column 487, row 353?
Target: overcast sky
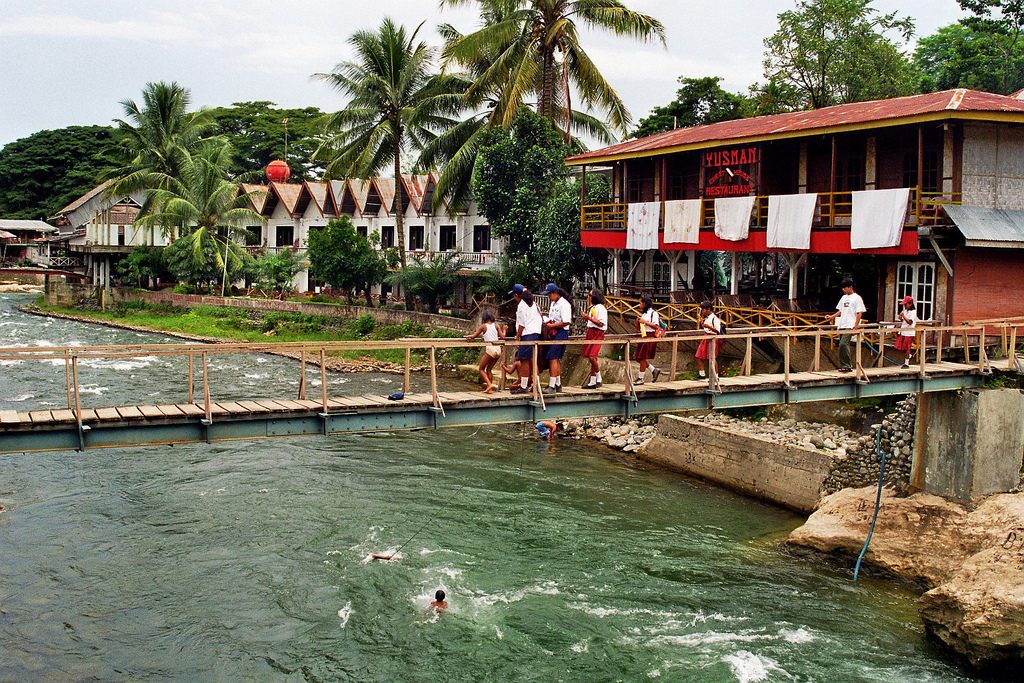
column 71, row 61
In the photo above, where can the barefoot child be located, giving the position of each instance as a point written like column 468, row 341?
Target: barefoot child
column 908, row 329
column 492, row 334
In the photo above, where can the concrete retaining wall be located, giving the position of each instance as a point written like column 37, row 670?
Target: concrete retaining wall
column 63, row 294
column 786, row 475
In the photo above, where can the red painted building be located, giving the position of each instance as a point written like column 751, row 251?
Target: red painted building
column 927, row 190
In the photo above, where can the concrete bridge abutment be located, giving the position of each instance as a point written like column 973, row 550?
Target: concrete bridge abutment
column 968, row 443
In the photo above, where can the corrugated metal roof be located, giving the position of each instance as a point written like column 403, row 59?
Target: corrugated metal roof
column 804, row 122
column 4, row 235
column 9, row 224
column 982, row 227
column 83, row 199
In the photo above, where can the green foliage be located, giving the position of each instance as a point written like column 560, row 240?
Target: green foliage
column 275, row 271
column 515, row 175
column 197, row 259
column 364, row 324
column 698, row 101
column 972, row 55
column 500, row 280
column 837, row 51
column 141, row 265
column 256, row 131
column 559, row 255
column 341, row 257
column 432, row 279
column 46, row 171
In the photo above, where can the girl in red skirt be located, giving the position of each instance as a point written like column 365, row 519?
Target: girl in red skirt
column 908, row 329
column 712, row 326
column 597, row 325
column 648, row 324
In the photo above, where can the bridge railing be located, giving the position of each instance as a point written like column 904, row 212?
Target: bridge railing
column 930, row 342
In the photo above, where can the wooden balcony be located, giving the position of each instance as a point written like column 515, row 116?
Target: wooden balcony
column 834, row 210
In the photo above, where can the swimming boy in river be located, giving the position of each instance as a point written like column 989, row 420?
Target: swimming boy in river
column 439, row 602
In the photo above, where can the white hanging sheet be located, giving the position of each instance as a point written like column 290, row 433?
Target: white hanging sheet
column 682, row 221
column 789, row 220
column 642, row 225
column 878, row 217
column 732, row 217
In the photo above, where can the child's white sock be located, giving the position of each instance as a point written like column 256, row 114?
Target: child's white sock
column 524, row 381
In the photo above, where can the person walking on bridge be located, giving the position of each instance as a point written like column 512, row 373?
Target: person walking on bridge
column 711, row 344
column 849, row 313
column 649, row 325
column 597, row 325
column 529, row 324
column 559, row 320
column 908, row 329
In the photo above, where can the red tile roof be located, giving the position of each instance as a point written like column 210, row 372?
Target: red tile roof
column 257, row 195
column 288, row 193
column 958, row 103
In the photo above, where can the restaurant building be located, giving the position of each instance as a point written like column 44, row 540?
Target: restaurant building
column 919, row 195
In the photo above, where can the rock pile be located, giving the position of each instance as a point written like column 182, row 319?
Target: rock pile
column 812, row 435
column 624, row 435
column 860, row 465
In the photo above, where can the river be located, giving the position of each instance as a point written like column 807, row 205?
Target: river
column 249, row 560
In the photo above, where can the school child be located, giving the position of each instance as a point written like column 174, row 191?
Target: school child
column 597, row 324
column 529, row 324
column 557, row 326
column 908, row 329
column 648, row 323
column 712, row 326
column 492, row 333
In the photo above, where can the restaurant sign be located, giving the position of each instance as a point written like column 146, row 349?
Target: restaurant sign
column 730, row 172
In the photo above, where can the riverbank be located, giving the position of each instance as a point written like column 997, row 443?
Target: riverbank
column 209, row 324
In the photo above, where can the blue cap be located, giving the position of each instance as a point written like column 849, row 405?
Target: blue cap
column 552, row 287
column 517, row 289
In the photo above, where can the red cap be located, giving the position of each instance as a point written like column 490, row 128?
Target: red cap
column 907, row 300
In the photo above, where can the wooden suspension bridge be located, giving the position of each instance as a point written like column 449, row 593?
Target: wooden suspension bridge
column 945, row 362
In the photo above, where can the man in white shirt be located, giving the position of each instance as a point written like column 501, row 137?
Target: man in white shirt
column 849, row 312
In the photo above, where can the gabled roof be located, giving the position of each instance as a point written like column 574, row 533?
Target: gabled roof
column 414, row 191
column 15, row 224
column 288, row 194
column 322, row 196
column 937, row 106
column 983, row 227
column 77, row 204
column 386, row 190
column 359, row 190
column 257, row 195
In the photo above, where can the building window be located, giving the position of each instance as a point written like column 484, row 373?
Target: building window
column 362, row 230
column 447, row 238
column 662, row 277
column 481, row 238
column 387, row 236
column 285, row 235
column 415, row 238
column 253, row 235
column 120, row 235
column 917, row 279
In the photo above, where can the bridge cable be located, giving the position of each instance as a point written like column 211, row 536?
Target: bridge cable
column 880, row 454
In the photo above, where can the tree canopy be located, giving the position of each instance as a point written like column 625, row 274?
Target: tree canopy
column 44, row 172
column 698, row 101
column 256, row 131
column 341, row 257
column 560, row 256
column 839, row 51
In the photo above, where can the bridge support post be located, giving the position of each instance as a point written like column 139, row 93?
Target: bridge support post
column 968, row 443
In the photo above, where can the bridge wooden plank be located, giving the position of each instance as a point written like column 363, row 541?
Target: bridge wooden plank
column 415, row 399
column 191, row 409
column 345, row 402
column 371, row 400
column 40, row 416
column 88, row 414
column 285, row 404
column 64, row 415
column 272, row 406
column 308, row 405
column 129, row 412
column 233, row 408
column 170, row 410
column 218, row 409
column 150, row 411
column 253, row 407
column 107, row 414
column 10, row 417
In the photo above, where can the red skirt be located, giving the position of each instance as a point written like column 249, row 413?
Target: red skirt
column 645, row 350
column 904, row 343
column 704, row 347
column 592, row 350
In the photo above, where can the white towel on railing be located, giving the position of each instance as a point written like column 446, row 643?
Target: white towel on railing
column 682, row 220
column 642, row 225
column 732, row 217
column 878, row 218
column 789, row 220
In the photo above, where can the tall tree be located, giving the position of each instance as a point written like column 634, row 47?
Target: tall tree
column 260, row 132
column 963, row 56
column 45, row 171
column 838, row 51
column 341, row 257
column 157, row 137
column 698, row 101
column 396, row 102
column 207, row 209
column 560, row 256
column 1003, row 20
column 534, row 50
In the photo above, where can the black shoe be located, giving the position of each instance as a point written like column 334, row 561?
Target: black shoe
column 590, row 386
column 654, row 375
column 906, row 366
column 518, row 390
column 547, row 391
column 845, row 369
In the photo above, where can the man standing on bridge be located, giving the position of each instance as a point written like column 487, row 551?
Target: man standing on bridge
column 849, row 312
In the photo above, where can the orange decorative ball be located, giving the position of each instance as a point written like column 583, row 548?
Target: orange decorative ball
column 278, row 171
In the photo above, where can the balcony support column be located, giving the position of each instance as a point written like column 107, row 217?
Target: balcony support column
column 734, row 276
column 691, row 266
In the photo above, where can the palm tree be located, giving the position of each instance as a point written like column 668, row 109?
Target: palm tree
column 534, row 49
column 396, row 103
column 433, row 279
column 207, row 207
column 157, row 135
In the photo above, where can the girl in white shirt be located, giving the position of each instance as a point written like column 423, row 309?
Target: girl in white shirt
column 648, row 323
column 908, row 329
column 492, row 334
column 597, row 324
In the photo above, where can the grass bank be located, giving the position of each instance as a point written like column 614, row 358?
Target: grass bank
column 237, row 324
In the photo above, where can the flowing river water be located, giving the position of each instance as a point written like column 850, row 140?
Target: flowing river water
column 249, row 560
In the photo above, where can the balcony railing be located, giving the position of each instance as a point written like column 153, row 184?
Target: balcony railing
column 834, row 209
column 473, row 259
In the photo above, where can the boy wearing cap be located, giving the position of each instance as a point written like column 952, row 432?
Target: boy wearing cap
column 908, row 329
column 559, row 319
column 849, row 312
column 529, row 324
